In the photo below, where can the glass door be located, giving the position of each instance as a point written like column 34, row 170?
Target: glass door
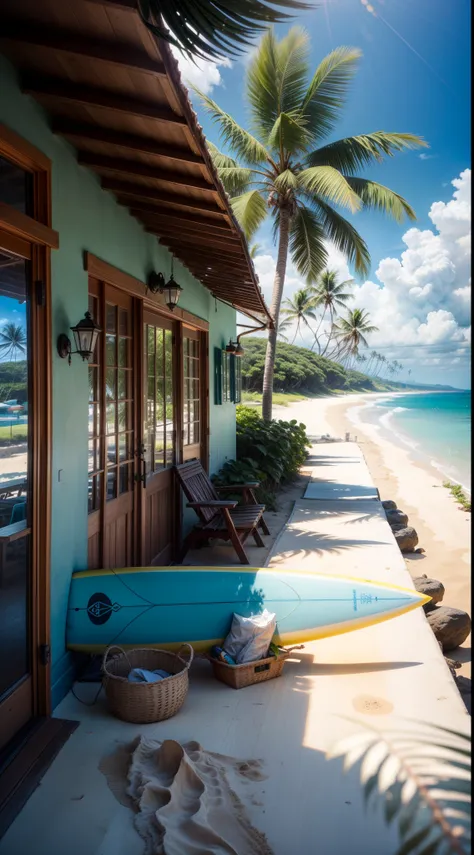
column 16, row 583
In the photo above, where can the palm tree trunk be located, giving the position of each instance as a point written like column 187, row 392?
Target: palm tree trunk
column 331, row 331
column 278, row 285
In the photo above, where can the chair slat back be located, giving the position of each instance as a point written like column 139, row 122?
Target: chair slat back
column 197, row 487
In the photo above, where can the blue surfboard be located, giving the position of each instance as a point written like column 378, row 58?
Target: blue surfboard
column 165, row 606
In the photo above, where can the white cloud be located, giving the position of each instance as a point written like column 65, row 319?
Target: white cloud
column 424, row 156
column 203, row 73
column 421, row 298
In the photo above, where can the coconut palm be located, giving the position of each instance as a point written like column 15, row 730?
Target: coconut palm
column 352, row 331
column 12, row 341
column 254, row 250
column 299, row 308
column 283, row 169
column 283, row 327
column 330, row 296
column 213, row 28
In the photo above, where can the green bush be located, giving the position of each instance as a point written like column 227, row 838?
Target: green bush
column 268, row 452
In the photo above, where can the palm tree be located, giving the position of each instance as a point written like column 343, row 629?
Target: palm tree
column 299, row 308
column 283, row 327
column 331, row 295
column 254, row 250
column 353, row 330
column 12, row 341
column 283, row 169
column 212, row 28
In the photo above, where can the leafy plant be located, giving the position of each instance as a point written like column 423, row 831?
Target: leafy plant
column 213, row 28
column 457, row 491
column 423, row 775
column 283, row 169
column 268, row 452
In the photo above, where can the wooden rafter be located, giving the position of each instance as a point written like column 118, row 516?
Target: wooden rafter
column 62, row 41
column 57, row 90
column 129, row 142
column 175, row 215
column 141, row 192
column 171, row 224
column 120, row 166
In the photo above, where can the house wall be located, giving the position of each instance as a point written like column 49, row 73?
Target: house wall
column 88, row 218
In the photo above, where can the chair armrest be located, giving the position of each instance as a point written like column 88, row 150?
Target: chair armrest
column 232, row 488
column 212, row 504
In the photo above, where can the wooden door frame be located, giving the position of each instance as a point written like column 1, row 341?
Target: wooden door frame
column 38, row 233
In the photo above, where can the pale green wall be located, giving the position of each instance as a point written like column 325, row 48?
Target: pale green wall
column 88, row 218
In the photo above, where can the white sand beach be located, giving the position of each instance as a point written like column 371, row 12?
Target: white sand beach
column 443, row 528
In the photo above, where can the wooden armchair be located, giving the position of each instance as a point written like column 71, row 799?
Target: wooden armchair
column 220, row 518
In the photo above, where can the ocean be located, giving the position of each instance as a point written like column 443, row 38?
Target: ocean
column 435, row 425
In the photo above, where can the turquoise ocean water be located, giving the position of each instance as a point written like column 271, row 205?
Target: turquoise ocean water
column 436, row 426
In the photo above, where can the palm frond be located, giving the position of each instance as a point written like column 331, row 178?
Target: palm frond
column 423, row 775
column 289, row 135
column 344, row 236
column 249, row 149
column 236, row 179
column 381, row 198
column 219, row 159
column 213, row 28
column 307, row 249
column 250, row 210
column 286, row 180
column 262, row 85
column 329, row 183
column 354, row 153
column 293, row 55
column 328, row 88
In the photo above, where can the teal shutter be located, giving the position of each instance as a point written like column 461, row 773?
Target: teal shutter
column 232, row 362
column 217, row 375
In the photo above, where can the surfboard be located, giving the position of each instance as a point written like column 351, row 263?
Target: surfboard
column 165, row 606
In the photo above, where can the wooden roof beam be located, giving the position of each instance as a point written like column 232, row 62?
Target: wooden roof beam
column 183, row 245
column 130, row 142
column 57, row 90
column 197, row 231
column 193, row 239
column 177, row 217
column 123, row 166
column 141, row 192
column 63, row 41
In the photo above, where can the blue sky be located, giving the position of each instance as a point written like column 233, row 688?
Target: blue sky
column 413, row 76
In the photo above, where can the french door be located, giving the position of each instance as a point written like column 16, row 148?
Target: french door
column 112, row 487
column 147, row 412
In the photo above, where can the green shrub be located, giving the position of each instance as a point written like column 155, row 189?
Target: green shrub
column 268, row 452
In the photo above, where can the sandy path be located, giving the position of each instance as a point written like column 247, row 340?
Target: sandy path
column 443, row 529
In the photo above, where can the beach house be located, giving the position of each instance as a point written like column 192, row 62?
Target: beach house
column 121, row 269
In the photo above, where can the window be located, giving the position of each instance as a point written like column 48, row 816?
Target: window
column 191, row 391
column 237, row 360
column 16, row 187
column 159, row 434
column 226, row 378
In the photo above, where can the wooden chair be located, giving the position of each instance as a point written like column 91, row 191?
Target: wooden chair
column 219, row 518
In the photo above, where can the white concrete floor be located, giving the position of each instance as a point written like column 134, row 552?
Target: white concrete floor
column 306, row 803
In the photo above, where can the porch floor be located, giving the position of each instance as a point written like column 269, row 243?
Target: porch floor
column 305, row 802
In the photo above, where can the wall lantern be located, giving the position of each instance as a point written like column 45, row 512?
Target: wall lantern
column 235, row 348
column 157, row 285
column 86, row 333
column 230, row 348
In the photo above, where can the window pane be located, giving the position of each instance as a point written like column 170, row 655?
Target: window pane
column 111, row 319
column 110, row 350
column 92, row 466
column 122, row 387
column 111, row 484
column 111, row 384
column 123, row 352
column 92, row 384
column 123, row 322
column 125, row 478
column 16, row 186
column 111, row 421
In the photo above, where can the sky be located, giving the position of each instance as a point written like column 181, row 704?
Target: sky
column 413, row 77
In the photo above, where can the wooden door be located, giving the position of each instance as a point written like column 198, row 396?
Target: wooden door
column 160, row 509
column 112, row 422
column 17, row 573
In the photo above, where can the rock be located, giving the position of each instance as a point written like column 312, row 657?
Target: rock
column 396, row 516
column 389, row 505
column 450, row 626
column 432, row 588
column 406, row 538
column 420, row 550
column 463, row 684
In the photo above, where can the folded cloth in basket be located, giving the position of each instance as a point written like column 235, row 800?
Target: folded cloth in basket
column 141, row 675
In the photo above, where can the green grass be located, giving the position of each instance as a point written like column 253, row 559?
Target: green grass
column 457, row 491
column 15, row 432
column 280, row 399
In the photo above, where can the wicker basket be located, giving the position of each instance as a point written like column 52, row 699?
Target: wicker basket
column 144, row 703
column 239, row 676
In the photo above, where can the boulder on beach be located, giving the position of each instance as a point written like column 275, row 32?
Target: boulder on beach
column 450, row 626
column 389, row 505
column 432, row 588
column 406, row 538
column 396, row 517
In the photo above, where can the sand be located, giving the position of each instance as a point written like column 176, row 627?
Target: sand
column 183, row 799
column 443, row 528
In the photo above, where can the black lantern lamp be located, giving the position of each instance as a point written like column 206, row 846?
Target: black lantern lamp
column 86, row 333
column 239, row 351
column 172, row 291
column 230, row 348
